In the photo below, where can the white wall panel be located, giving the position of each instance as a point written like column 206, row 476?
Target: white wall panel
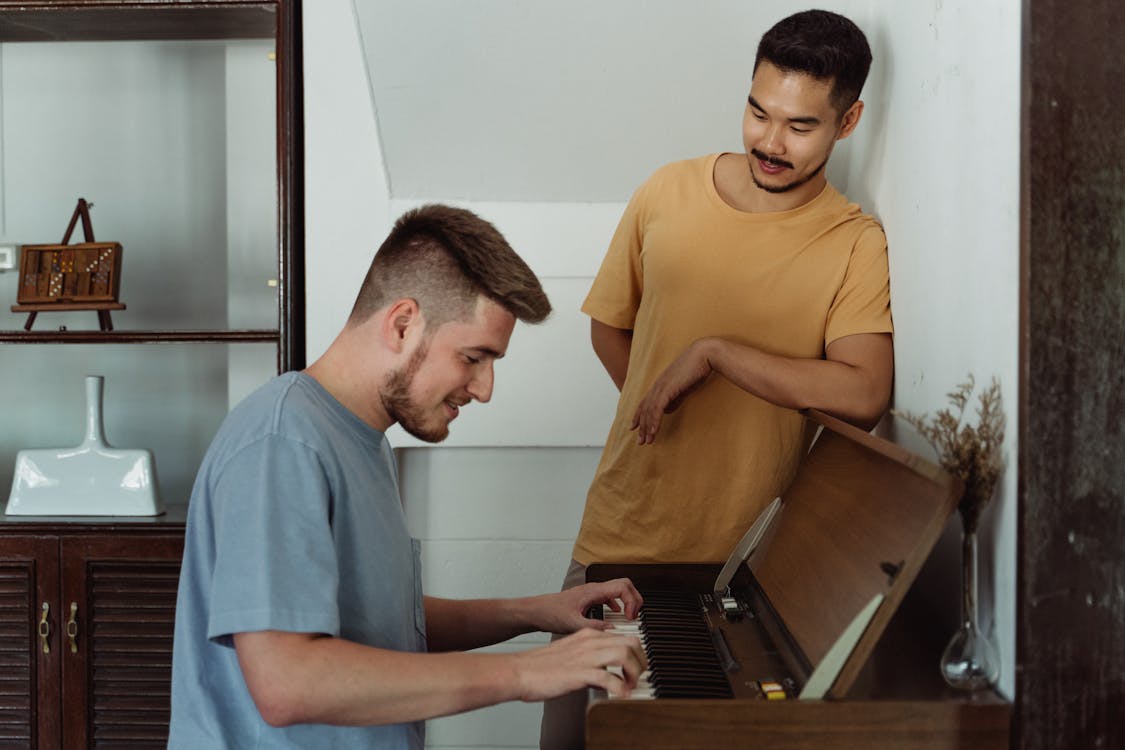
column 345, row 181
column 541, row 101
column 509, row 725
column 952, row 82
column 489, row 568
column 484, row 493
column 558, row 240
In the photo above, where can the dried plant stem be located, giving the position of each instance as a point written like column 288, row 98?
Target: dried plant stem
column 971, row 453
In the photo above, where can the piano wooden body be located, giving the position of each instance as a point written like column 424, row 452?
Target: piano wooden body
column 816, row 608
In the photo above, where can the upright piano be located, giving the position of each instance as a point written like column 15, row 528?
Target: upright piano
column 799, row 641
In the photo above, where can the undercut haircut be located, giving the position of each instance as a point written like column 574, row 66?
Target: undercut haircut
column 824, row 45
column 445, row 258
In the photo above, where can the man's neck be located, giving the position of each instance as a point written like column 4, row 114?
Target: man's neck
column 735, row 185
column 344, row 372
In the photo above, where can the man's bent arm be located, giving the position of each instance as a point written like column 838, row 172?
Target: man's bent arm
column 852, row 383
column 462, row 624
column 612, row 346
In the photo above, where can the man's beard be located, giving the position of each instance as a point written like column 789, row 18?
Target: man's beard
column 781, row 188
column 402, row 409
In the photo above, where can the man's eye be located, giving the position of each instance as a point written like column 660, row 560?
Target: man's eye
column 471, row 360
column 802, row 131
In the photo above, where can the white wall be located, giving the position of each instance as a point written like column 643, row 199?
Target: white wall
column 498, row 504
column 945, row 182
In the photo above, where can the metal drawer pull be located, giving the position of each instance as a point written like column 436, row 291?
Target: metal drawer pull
column 45, row 628
column 72, row 627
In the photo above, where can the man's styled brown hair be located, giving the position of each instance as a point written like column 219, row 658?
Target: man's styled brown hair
column 444, row 258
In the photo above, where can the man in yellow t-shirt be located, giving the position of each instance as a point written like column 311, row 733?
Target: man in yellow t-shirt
column 738, row 289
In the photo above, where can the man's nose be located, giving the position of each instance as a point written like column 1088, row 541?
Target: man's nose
column 480, row 387
column 773, row 140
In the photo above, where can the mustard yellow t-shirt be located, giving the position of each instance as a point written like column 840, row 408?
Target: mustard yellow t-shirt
column 684, row 264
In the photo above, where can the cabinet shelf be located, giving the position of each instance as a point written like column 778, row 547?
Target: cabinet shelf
column 265, row 336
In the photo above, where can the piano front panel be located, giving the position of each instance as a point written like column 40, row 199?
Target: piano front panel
column 737, row 724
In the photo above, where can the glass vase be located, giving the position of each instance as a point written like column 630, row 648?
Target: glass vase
column 969, row 661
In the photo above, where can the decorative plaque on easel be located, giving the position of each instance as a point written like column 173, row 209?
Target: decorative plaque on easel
column 82, row 276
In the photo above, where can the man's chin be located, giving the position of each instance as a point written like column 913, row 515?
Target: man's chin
column 429, row 435
column 774, row 187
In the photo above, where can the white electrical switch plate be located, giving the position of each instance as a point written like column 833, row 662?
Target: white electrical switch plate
column 9, row 254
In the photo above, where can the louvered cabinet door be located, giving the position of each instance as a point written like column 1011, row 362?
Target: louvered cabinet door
column 29, row 642
column 119, row 602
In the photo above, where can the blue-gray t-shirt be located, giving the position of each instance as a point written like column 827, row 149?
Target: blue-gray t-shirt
column 295, row 524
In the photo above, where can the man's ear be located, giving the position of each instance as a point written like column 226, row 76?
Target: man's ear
column 401, row 322
column 850, row 119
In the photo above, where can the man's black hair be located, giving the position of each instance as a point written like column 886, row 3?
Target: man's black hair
column 821, row 44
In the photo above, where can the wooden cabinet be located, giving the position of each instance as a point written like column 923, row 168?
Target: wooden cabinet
column 87, row 605
column 87, row 613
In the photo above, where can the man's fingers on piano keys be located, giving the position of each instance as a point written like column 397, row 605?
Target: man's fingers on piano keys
column 620, row 669
column 639, row 690
column 613, row 682
column 581, row 660
column 620, row 595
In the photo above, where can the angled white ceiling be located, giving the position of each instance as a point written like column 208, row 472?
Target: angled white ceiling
column 527, row 100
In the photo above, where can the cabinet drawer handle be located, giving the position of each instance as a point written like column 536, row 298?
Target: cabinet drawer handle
column 72, row 627
column 45, row 628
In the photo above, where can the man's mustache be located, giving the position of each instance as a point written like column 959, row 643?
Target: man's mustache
column 770, row 159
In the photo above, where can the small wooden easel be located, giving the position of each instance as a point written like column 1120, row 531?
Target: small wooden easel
column 83, row 276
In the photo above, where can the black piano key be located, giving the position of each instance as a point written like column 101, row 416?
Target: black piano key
column 680, row 647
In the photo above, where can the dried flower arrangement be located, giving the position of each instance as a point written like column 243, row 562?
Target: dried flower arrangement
column 969, row 453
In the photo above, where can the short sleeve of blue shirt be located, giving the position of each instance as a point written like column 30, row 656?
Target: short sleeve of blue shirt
column 275, row 567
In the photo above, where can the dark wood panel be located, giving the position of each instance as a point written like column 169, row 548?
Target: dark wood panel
column 290, row 188
column 17, row 655
column 115, row 20
column 29, row 678
column 1070, row 625
column 117, row 684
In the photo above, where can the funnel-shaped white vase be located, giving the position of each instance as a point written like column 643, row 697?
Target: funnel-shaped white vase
column 90, row 479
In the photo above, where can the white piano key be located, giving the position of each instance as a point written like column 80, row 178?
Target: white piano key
column 643, row 689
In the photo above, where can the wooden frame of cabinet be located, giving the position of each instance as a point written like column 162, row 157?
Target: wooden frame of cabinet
column 121, row 20
column 122, row 574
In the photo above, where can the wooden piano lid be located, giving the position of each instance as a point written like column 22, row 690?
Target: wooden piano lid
column 859, row 520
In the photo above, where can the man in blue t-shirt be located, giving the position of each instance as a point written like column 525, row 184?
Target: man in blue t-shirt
column 300, row 621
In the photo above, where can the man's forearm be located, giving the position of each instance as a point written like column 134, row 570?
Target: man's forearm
column 854, row 387
column 466, row 624
column 463, row 624
column 296, row 678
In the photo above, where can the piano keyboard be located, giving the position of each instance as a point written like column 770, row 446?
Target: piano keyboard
column 683, row 652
